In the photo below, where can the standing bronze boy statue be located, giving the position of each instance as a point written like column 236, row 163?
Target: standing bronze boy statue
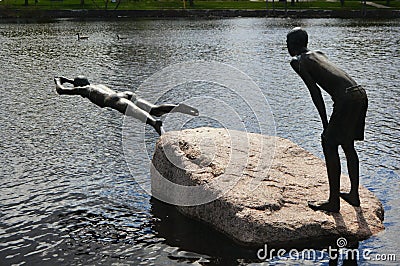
column 346, row 123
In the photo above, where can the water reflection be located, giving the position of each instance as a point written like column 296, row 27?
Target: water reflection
column 196, row 237
column 195, row 241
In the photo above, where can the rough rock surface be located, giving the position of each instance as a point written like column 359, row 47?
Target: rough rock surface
column 267, row 201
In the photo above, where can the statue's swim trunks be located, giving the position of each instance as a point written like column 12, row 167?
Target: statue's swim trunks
column 347, row 121
column 133, row 98
column 103, row 100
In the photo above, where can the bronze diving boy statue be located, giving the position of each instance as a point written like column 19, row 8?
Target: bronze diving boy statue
column 125, row 102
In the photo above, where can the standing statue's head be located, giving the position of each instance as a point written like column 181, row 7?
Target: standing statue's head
column 297, row 40
column 81, row 81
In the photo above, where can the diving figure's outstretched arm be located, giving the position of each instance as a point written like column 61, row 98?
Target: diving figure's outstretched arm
column 61, row 89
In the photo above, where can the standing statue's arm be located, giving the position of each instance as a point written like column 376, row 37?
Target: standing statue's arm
column 295, row 65
column 316, row 97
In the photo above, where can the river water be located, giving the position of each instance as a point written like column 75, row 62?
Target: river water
column 66, row 194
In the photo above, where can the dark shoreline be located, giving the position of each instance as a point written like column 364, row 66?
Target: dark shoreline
column 187, row 13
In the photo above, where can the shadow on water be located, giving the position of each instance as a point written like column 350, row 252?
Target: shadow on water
column 195, row 241
column 201, row 240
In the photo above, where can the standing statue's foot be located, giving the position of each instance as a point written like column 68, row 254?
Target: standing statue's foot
column 186, row 109
column 324, row 206
column 351, row 198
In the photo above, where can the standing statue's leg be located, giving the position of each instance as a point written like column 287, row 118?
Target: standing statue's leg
column 333, row 168
column 352, row 197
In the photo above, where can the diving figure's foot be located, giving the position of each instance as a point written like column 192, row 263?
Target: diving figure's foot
column 186, row 109
column 324, row 206
column 351, row 198
column 158, row 127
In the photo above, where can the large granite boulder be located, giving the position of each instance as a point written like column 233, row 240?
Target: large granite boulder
column 255, row 188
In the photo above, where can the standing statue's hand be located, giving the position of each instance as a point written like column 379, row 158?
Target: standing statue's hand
column 323, row 135
column 295, row 65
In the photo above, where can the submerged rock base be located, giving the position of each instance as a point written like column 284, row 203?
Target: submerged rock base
column 255, row 188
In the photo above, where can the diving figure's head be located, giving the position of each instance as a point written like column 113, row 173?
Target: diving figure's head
column 81, row 81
